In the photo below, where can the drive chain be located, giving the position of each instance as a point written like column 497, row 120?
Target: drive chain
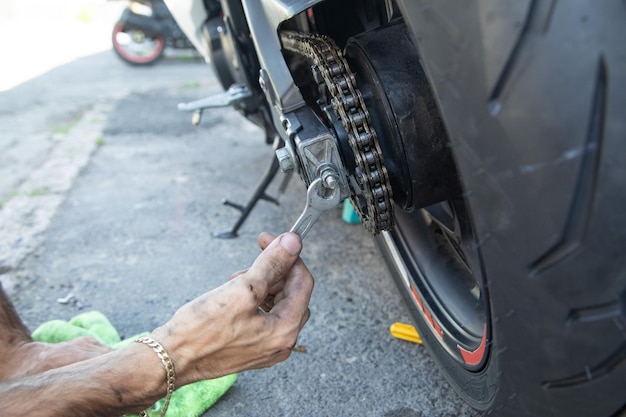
column 376, row 211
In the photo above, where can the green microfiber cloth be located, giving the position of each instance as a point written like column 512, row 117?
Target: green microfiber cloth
column 189, row 401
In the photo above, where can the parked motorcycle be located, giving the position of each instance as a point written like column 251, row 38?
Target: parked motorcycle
column 482, row 144
column 144, row 30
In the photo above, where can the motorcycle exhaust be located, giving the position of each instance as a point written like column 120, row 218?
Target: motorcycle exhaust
column 146, row 24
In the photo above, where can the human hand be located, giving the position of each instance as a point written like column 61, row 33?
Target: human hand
column 225, row 330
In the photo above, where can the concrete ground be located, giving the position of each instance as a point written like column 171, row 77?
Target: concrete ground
column 109, row 200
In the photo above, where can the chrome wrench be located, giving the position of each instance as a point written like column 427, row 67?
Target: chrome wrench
column 316, row 204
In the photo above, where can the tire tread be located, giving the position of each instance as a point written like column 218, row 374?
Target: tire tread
column 580, row 210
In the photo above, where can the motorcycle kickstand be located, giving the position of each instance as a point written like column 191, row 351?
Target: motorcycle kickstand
column 259, row 194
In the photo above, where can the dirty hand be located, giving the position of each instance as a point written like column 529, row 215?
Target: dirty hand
column 250, row 322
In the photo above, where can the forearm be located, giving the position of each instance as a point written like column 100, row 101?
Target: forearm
column 13, row 330
column 13, row 334
column 119, row 382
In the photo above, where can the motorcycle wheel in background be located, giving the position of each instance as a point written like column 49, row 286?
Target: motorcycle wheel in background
column 135, row 47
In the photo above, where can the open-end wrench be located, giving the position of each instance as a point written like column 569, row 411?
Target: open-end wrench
column 316, row 205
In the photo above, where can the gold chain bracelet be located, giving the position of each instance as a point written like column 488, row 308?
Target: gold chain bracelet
column 170, row 375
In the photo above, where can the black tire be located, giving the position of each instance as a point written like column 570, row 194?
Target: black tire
column 532, row 95
column 131, row 51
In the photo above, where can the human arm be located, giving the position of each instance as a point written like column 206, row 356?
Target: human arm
column 21, row 356
column 106, row 385
column 218, row 333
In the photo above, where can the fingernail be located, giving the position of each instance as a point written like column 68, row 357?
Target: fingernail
column 291, row 242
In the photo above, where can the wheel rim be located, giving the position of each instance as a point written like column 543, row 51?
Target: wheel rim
column 433, row 250
column 136, row 47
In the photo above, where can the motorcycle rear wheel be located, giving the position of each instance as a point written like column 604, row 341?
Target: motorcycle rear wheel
column 531, row 110
column 135, row 47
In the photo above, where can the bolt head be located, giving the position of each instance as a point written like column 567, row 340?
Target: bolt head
column 284, row 160
column 262, row 77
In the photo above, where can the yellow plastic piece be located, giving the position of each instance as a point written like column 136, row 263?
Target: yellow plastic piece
column 405, row 332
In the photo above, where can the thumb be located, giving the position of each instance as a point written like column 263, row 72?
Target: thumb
column 273, row 264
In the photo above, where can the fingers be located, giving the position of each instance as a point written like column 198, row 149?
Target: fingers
column 265, row 239
column 305, row 317
column 292, row 303
column 278, row 292
column 236, row 274
column 267, row 305
column 273, row 264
